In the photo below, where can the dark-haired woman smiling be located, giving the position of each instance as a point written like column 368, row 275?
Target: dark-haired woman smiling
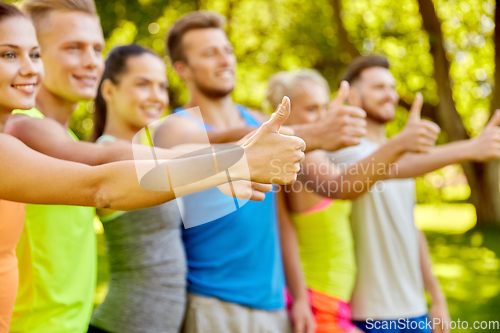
column 147, row 261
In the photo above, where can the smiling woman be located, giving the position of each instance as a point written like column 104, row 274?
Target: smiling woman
column 21, row 74
column 20, row 64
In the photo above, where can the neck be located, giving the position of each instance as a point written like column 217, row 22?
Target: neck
column 119, row 128
column 216, row 112
column 4, row 115
column 55, row 107
column 375, row 131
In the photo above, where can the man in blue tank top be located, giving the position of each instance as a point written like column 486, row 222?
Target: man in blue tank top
column 235, row 279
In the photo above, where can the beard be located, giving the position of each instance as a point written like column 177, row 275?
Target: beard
column 374, row 114
column 213, row 92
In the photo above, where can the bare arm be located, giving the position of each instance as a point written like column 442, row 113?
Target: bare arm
column 231, row 135
column 417, row 136
column 301, row 313
column 59, row 144
column 482, row 148
column 37, row 178
column 337, row 183
column 439, row 307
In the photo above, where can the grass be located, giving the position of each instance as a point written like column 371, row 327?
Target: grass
column 466, row 261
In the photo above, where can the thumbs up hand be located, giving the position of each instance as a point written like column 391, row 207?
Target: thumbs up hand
column 343, row 125
column 418, row 135
column 486, row 146
column 273, row 157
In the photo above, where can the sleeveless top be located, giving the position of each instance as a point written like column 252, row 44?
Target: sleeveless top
column 147, row 264
column 235, row 257
column 11, row 226
column 326, row 248
column 57, row 267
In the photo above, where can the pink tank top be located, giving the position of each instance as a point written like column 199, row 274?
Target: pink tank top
column 11, row 227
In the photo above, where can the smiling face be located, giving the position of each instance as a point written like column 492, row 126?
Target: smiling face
column 140, row 97
column 72, row 44
column 375, row 92
column 210, row 62
column 21, row 69
column 308, row 102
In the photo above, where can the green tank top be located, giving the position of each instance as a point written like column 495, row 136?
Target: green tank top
column 57, row 267
column 327, row 248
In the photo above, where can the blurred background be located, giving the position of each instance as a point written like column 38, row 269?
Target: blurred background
column 446, row 49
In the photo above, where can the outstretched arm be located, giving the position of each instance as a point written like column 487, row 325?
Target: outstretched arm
column 417, row 136
column 482, row 148
column 115, row 185
column 37, row 178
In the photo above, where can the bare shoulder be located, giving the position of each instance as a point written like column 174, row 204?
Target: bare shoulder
column 27, row 128
column 260, row 116
column 177, row 130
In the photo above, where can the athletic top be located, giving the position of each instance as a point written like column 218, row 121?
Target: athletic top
column 147, row 267
column 237, row 257
column 57, row 268
column 11, row 226
column 389, row 283
column 326, row 248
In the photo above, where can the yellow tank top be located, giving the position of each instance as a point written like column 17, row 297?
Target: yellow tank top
column 327, row 248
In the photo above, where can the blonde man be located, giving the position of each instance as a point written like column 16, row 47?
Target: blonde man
column 57, row 250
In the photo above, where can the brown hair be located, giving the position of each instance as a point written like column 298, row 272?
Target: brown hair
column 7, row 11
column 354, row 69
column 116, row 66
column 39, row 10
column 196, row 20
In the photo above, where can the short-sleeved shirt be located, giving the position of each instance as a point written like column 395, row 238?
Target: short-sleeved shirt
column 57, row 268
column 235, row 258
column 389, row 283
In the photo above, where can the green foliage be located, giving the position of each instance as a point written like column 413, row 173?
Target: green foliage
column 270, row 36
column 289, row 34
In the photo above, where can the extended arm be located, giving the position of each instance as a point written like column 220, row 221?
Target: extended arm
column 57, row 143
column 482, row 148
column 54, row 181
column 417, row 136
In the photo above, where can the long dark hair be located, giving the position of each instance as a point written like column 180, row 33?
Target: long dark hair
column 7, row 11
column 116, row 66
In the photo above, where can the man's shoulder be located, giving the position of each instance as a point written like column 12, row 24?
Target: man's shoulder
column 258, row 115
column 177, row 128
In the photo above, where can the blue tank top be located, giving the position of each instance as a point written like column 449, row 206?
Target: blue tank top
column 237, row 257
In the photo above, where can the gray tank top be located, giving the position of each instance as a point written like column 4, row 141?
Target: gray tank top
column 147, row 263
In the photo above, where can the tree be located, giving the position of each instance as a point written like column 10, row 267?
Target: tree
column 445, row 49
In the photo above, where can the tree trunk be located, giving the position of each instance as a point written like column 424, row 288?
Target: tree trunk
column 345, row 43
column 482, row 178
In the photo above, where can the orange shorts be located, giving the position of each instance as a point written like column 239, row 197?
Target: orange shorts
column 331, row 314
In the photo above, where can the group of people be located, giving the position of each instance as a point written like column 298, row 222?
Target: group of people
column 330, row 247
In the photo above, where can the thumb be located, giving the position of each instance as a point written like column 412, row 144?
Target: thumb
column 416, row 107
column 342, row 94
column 279, row 117
column 494, row 121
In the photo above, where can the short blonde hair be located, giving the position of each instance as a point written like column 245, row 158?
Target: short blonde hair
column 282, row 84
column 39, row 10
